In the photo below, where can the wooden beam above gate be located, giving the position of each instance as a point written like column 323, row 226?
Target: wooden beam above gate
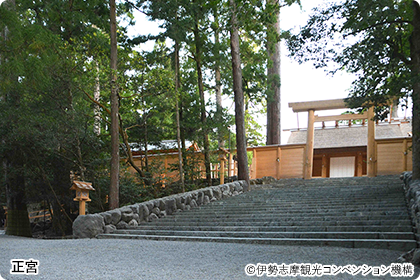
column 318, row 105
column 341, row 117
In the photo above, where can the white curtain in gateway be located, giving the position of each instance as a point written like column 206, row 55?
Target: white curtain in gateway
column 342, row 167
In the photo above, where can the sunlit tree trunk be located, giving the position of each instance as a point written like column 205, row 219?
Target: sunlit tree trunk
column 178, row 124
column 115, row 159
column 96, row 110
column 239, row 97
column 273, row 98
column 206, row 142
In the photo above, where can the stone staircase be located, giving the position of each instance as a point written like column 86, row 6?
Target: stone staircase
column 353, row 212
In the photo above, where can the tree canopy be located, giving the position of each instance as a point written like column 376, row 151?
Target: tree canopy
column 376, row 40
column 55, row 111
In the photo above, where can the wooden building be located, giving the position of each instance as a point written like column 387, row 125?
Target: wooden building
column 342, row 151
column 353, row 146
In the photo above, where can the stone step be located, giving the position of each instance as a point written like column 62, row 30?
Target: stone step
column 301, row 212
column 253, row 228
column 300, row 201
column 350, row 212
column 280, row 207
column 390, row 244
column 255, row 218
column 289, row 223
column 265, row 234
column 311, row 200
column 304, row 210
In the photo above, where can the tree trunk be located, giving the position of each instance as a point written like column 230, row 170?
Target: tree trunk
column 178, row 125
column 219, row 106
column 273, row 96
column 96, row 109
column 415, row 57
column 206, row 142
column 115, row 159
column 17, row 212
column 239, row 98
column 61, row 185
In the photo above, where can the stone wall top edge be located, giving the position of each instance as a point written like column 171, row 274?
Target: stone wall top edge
column 241, row 182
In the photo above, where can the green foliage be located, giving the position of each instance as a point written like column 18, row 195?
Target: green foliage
column 368, row 38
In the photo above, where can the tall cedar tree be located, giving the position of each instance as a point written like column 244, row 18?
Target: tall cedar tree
column 243, row 173
column 115, row 158
column 273, row 72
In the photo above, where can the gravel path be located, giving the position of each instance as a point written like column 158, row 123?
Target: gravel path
column 138, row 259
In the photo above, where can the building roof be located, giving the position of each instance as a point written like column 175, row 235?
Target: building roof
column 162, row 146
column 354, row 136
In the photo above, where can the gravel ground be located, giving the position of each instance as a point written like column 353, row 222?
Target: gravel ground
column 138, row 259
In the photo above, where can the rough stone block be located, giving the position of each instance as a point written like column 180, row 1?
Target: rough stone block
column 110, row 229
column 156, row 211
column 188, row 199
column 416, row 257
column 152, row 217
column 208, row 192
column 136, row 217
column 133, row 223
column 161, row 204
column 115, row 216
column 127, row 217
column 178, row 201
column 107, row 217
column 150, row 205
column 233, row 186
column 170, row 206
column 126, row 210
column 143, row 211
column 226, row 194
column 122, row 225
column 242, row 185
column 200, row 198
column 217, row 193
column 88, row 226
column 206, row 200
column 193, row 204
column 135, row 208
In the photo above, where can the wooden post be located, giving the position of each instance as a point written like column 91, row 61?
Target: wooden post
column 255, row 160
column 230, row 165
column 222, row 170
column 359, row 165
column 324, row 166
column 82, row 207
column 309, row 155
column 371, row 153
column 404, row 167
column 278, row 170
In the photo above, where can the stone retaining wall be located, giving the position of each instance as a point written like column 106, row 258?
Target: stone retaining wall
column 89, row 226
column 412, row 194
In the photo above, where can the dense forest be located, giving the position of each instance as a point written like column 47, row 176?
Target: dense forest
column 74, row 84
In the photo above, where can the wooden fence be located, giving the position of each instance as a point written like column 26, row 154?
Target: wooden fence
column 393, row 156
